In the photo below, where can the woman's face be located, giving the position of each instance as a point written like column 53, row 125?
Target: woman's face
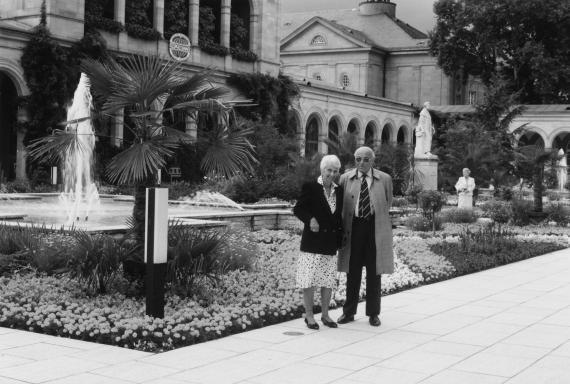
column 329, row 173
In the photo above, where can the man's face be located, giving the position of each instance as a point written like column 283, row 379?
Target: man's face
column 364, row 158
column 466, row 173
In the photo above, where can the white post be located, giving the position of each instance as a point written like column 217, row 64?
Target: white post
column 155, row 250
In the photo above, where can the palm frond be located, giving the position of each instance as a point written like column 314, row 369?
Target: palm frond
column 140, row 161
column 53, row 148
column 137, row 81
column 229, row 153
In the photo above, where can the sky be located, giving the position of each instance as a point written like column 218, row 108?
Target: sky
column 417, row 13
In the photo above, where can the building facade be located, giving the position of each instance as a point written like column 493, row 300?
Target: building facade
column 66, row 21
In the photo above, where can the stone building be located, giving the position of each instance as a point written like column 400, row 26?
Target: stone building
column 66, row 22
column 364, row 71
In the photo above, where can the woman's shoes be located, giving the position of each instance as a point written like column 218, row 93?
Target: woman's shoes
column 330, row 324
column 312, row 325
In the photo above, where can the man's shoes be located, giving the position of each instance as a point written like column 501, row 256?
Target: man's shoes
column 330, row 324
column 374, row 321
column 343, row 319
column 312, row 325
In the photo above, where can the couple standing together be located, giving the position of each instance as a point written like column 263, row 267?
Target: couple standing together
column 351, row 218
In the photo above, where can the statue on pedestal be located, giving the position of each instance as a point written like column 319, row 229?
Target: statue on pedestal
column 424, row 133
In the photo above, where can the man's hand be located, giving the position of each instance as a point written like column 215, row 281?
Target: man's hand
column 314, row 225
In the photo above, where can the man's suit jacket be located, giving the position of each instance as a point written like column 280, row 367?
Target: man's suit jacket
column 381, row 201
column 313, row 203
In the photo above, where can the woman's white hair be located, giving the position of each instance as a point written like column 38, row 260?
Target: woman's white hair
column 330, row 160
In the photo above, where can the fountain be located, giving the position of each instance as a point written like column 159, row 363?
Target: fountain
column 79, row 194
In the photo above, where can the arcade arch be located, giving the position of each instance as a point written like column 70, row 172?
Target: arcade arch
column 8, row 120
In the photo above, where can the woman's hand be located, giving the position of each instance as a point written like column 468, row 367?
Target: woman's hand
column 314, row 225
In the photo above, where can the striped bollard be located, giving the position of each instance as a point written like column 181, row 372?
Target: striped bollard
column 155, row 249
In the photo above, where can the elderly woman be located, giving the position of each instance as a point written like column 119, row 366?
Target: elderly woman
column 319, row 207
column 465, row 186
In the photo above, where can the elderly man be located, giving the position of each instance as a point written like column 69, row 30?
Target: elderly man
column 367, row 234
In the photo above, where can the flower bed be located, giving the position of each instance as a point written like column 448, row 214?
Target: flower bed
column 241, row 301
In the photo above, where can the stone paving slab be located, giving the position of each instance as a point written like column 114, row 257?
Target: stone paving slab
column 509, row 325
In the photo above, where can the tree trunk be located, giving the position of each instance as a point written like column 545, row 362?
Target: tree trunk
column 537, row 187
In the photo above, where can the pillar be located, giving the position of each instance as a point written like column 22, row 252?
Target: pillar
column 253, row 27
column 225, row 23
column 158, row 16
column 322, row 145
column 21, row 152
column 120, row 10
column 301, row 143
column 117, row 129
column 191, row 126
column 194, row 22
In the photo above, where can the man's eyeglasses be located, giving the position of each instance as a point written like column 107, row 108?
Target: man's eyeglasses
column 362, row 159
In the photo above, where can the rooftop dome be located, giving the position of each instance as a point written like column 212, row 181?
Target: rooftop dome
column 377, row 7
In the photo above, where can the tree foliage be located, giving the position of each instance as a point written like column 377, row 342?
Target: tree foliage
column 274, row 97
column 527, row 43
column 47, row 74
column 481, row 141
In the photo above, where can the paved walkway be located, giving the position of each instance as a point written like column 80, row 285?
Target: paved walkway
column 506, row 325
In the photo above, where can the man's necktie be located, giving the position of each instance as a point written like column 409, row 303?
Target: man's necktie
column 364, row 200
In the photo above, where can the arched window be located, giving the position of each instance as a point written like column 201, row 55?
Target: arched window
column 317, row 76
column 312, row 137
column 319, row 40
column 333, row 132
column 369, row 135
column 345, row 80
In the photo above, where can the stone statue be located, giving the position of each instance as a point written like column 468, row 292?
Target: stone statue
column 424, row 133
column 562, row 171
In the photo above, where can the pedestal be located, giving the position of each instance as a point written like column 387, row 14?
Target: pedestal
column 425, row 172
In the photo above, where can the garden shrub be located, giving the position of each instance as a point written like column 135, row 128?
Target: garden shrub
column 399, row 202
column 489, row 247
column 559, row 213
column 193, row 256
column 95, row 260
column 412, row 193
column 504, row 193
column 497, row 211
column 423, row 224
column 16, row 239
column 521, row 210
column 456, row 215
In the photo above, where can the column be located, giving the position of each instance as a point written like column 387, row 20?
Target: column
column 301, row 143
column 194, row 22
column 253, row 26
column 225, row 23
column 120, row 6
column 117, row 129
column 191, row 126
column 322, row 145
column 158, row 16
column 21, row 152
column 120, row 11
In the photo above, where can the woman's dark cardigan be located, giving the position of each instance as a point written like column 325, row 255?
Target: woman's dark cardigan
column 313, row 203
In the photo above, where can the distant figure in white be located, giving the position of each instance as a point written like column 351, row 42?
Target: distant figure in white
column 465, row 186
column 79, row 192
column 562, row 171
column 424, row 133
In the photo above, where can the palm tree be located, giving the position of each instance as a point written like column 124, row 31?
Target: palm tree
column 149, row 88
column 532, row 158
